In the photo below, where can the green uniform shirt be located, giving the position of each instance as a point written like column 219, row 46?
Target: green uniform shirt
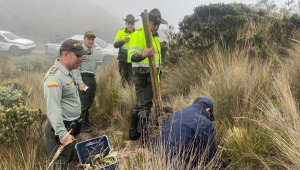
column 62, row 98
column 123, row 47
column 88, row 65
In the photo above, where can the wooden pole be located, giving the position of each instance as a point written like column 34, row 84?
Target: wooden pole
column 152, row 64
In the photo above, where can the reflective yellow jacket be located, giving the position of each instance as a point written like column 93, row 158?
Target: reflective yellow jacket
column 123, row 47
column 138, row 44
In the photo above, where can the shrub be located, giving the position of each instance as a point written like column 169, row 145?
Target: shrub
column 234, row 25
column 9, row 96
column 16, row 122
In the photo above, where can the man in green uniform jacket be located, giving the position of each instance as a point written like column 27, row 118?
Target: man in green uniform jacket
column 85, row 76
column 122, row 42
column 63, row 102
column 138, row 54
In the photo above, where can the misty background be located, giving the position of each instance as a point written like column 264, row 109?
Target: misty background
column 41, row 20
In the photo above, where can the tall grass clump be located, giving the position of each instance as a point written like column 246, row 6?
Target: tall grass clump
column 178, row 79
column 154, row 157
column 108, row 83
column 236, row 82
column 126, row 102
column 33, row 89
column 232, row 79
column 294, row 71
column 32, row 155
column 112, row 102
column 281, row 121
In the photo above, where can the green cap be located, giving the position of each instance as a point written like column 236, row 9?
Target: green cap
column 130, row 18
column 74, row 46
column 155, row 16
column 89, row 34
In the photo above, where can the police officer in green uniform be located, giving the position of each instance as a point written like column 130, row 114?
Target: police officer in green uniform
column 63, row 103
column 138, row 54
column 122, row 42
column 85, row 76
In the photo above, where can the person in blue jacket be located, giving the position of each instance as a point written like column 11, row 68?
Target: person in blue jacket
column 188, row 134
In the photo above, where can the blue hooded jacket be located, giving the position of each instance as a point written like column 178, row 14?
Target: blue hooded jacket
column 189, row 132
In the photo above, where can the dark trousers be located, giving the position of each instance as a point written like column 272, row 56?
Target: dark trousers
column 143, row 88
column 87, row 97
column 53, row 142
column 144, row 94
column 125, row 70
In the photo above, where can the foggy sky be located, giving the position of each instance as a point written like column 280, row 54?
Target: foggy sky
column 172, row 10
column 40, row 20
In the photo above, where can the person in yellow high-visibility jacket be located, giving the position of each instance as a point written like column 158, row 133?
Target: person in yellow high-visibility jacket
column 122, row 42
column 138, row 54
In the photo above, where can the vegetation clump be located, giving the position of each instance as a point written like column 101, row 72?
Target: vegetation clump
column 9, row 97
column 16, row 123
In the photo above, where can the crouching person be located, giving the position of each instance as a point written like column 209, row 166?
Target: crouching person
column 63, row 103
column 188, row 134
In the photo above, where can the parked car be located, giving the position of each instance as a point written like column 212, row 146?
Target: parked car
column 14, row 44
column 104, row 52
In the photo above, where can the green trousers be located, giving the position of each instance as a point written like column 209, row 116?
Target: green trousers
column 53, row 142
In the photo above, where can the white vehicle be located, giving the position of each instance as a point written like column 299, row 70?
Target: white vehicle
column 104, row 52
column 14, row 44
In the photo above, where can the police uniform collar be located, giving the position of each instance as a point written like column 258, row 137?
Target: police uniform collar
column 61, row 67
column 86, row 48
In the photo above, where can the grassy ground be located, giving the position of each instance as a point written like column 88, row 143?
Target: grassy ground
column 257, row 110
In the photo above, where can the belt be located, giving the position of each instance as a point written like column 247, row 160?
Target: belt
column 76, row 120
column 90, row 75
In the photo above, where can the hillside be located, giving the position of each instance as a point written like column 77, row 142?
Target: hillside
column 41, row 20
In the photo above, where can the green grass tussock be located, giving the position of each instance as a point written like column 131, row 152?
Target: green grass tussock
column 281, row 122
column 108, row 84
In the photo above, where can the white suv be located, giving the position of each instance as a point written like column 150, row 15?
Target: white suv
column 14, row 44
column 104, row 52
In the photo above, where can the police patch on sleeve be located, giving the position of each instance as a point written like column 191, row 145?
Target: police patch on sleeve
column 53, row 84
column 53, row 70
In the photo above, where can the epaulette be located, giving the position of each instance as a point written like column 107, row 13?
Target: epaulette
column 53, row 70
column 122, row 29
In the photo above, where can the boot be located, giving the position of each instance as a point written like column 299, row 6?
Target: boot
column 134, row 134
